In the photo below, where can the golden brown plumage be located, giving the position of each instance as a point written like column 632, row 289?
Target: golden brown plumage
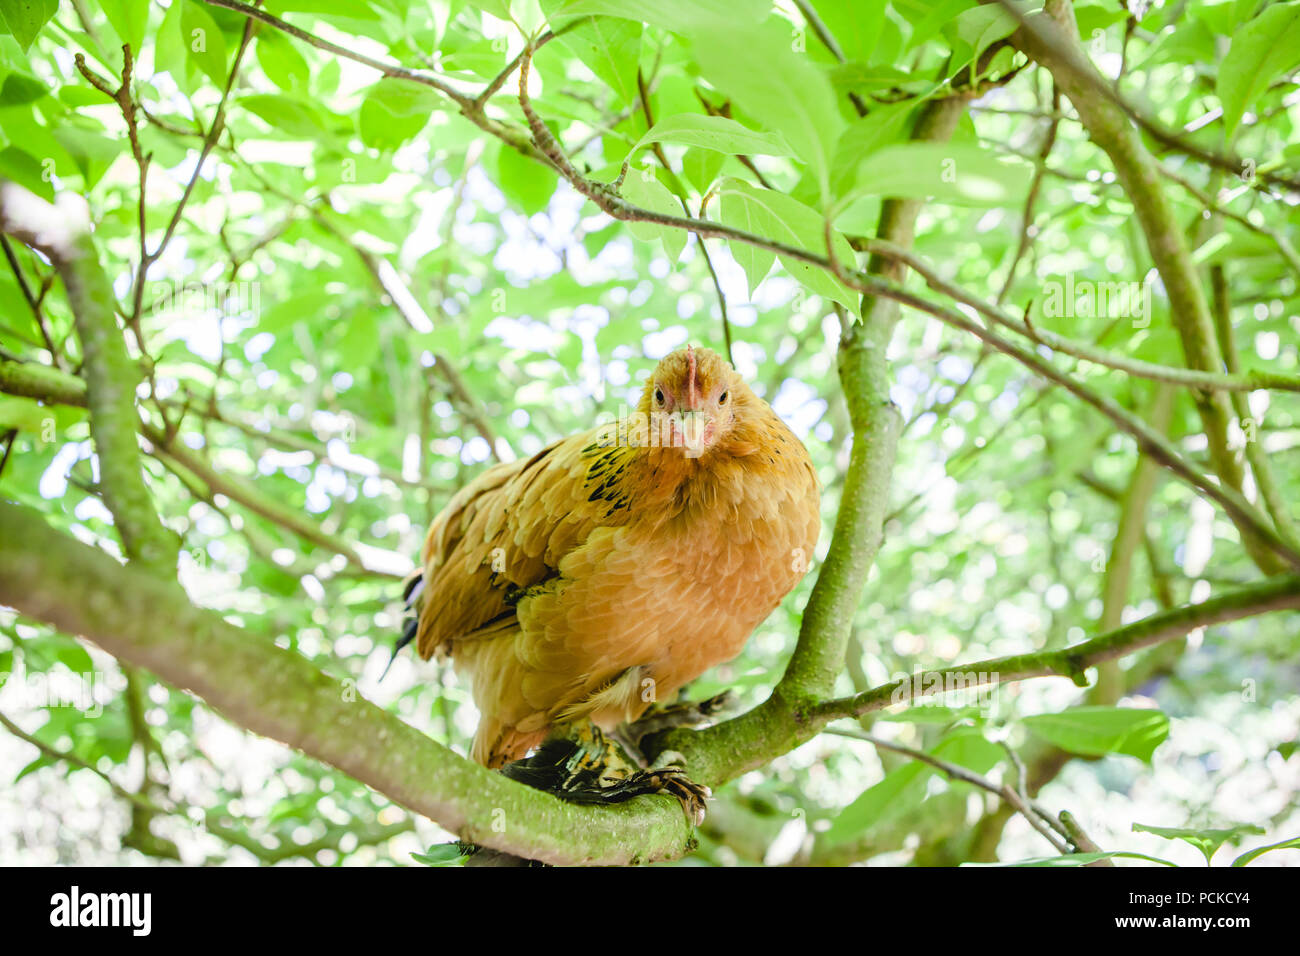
column 619, row 563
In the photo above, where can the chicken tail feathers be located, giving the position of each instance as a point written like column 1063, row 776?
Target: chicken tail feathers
column 411, row 620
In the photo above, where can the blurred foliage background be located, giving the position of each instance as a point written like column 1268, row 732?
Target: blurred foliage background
column 357, row 297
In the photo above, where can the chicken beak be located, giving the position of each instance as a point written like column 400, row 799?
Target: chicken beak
column 694, row 426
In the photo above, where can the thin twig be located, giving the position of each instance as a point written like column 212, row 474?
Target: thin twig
column 1040, row 822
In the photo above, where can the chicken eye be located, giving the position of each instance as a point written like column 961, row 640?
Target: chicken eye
column 659, row 396
column 722, row 399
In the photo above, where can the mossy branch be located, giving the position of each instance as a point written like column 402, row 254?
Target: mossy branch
column 1273, row 594
column 277, row 693
column 864, row 377
column 62, row 234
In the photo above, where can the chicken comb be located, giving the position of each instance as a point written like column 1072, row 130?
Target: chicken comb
column 692, row 402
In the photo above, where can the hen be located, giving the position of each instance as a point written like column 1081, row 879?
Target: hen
column 618, row 564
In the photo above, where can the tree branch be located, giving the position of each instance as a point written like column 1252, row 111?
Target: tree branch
column 39, row 382
column 1233, row 381
column 276, row 693
column 1245, row 515
column 1036, row 32
column 1039, row 820
column 748, row 741
column 111, row 376
column 1273, row 594
column 279, row 694
column 1052, row 40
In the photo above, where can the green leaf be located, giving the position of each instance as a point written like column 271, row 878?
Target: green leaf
column 20, row 88
column 1207, row 841
column 78, row 96
column 1261, row 51
column 441, row 854
column 128, row 19
column 171, row 48
column 876, row 802
column 642, row 189
column 679, row 16
column 283, row 64
column 23, row 168
column 498, row 8
column 44, row 760
column 92, row 152
column 69, row 652
column 780, row 89
column 342, row 10
column 1292, row 844
column 526, row 182
column 857, row 26
column 333, row 168
column 752, row 217
column 1078, row 859
column 393, row 112
column 957, row 173
column 929, row 18
column 21, row 413
column 289, row 807
column 481, row 58
column 966, row 747
column 779, row 217
column 24, row 18
column 977, row 29
column 204, row 41
column 701, row 167
column 611, row 48
column 885, row 124
column 360, row 339
column 313, row 304
column 1097, row 731
column 716, row 133
column 866, row 78
column 285, row 114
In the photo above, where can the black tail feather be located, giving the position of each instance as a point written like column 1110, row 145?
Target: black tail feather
column 412, row 588
column 411, row 623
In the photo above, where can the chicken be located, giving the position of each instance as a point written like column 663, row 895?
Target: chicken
column 614, row 566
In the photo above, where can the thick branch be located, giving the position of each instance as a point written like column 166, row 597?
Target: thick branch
column 278, row 694
column 1036, row 29
column 41, row 382
column 751, row 740
column 864, row 376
